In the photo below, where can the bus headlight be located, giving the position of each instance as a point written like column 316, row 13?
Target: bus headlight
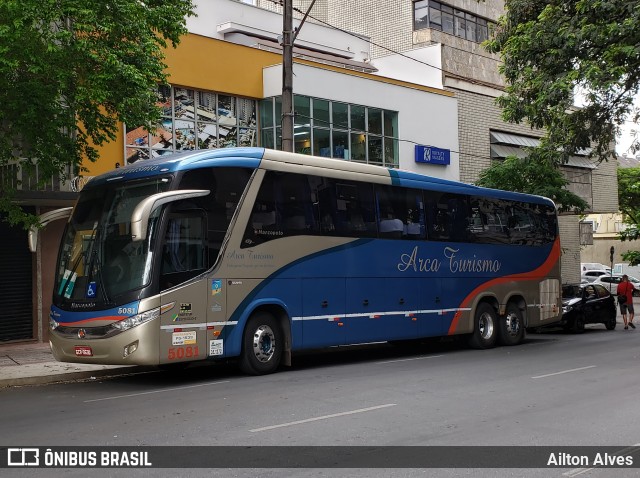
column 136, row 320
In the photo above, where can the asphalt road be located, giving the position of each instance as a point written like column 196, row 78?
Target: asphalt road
column 556, row 389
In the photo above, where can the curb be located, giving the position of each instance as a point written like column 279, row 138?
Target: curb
column 73, row 376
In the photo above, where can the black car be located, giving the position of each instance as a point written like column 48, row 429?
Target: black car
column 587, row 304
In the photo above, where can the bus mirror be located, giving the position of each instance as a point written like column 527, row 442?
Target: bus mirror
column 142, row 212
column 45, row 219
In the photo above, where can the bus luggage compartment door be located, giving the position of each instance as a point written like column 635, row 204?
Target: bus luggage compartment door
column 323, row 308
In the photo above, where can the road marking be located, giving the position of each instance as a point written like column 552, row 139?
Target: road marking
column 564, row 371
column 325, row 417
column 413, row 358
column 155, row 391
column 625, row 451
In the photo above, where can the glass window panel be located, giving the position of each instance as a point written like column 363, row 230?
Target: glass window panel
column 390, row 123
column 357, row 117
column 302, row 139
column 459, row 27
column 435, row 18
column 340, row 144
column 458, row 13
column 227, row 110
column 207, row 136
column 471, row 31
column 471, row 17
column 246, row 112
column 227, row 136
column 185, row 134
column 375, row 150
column 374, row 120
column 266, row 113
column 322, row 142
column 266, row 138
column 302, row 109
column 278, row 115
column 340, row 115
column 163, row 138
column 447, row 23
column 446, row 8
column 137, row 136
column 358, row 147
column 482, row 33
column 206, row 106
column 183, row 103
column 279, row 138
column 248, row 137
column 136, row 154
column 164, row 99
column 321, row 113
column 420, row 15
column 391, row 153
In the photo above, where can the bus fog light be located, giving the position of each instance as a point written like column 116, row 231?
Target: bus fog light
column 129, row 349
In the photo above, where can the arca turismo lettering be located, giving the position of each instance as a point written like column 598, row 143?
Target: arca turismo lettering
column 414, row 262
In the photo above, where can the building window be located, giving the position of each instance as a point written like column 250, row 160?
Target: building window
column 438, row 16
column 193, row 119
column 334, row 130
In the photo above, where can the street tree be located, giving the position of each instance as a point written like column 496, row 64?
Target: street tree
column 70, row 72
column 629, row 201
column 535, row 174
column 552, row 49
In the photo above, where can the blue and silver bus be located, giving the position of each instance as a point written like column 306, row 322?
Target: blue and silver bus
column 256, row 254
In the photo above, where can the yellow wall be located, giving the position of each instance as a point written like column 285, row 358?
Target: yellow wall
column 201, row 63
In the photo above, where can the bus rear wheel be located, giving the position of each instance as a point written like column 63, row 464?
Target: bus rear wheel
column 485, row 327
column 512, row 326
column 262, row 344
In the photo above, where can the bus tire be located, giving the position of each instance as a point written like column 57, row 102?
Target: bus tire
column 262, row 345
column 485, row 327
column 512, row 326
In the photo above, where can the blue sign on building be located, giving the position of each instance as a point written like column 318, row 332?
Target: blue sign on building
column 432, row 155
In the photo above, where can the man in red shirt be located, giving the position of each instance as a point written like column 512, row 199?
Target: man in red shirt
column 625, row 289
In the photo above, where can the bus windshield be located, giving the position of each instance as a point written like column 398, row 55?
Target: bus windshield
column 98, row 259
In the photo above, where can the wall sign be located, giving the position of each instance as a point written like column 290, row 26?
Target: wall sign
column 432, row 155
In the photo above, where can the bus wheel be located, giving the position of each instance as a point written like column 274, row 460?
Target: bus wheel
column 261, row 345
column 485, row 327
column 512, row 326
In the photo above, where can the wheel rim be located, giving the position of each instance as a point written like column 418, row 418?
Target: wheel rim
column 512, row 322
column 485, row 325
column 264, row 343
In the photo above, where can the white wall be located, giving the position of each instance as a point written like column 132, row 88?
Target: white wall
column 247, row 18
column 424, row 117
column 422, row 67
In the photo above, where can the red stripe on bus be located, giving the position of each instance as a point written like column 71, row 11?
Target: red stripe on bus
column 536, row 274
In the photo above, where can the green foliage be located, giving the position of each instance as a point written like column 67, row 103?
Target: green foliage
column 551, row 48
column 629, row 200
column 536, row 174
column 71, row 71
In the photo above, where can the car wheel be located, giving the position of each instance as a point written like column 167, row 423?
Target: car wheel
column 485, row 327
column 611, row 324
column 577, row 327
column 511, row 326
column 262, row 345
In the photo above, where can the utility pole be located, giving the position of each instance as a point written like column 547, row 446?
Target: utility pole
column 288, row 38
column 287, row 76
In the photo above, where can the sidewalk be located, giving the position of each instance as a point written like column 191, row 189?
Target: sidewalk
column 33, row 363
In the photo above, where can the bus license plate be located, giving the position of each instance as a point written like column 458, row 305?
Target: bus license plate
column 83, row 351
